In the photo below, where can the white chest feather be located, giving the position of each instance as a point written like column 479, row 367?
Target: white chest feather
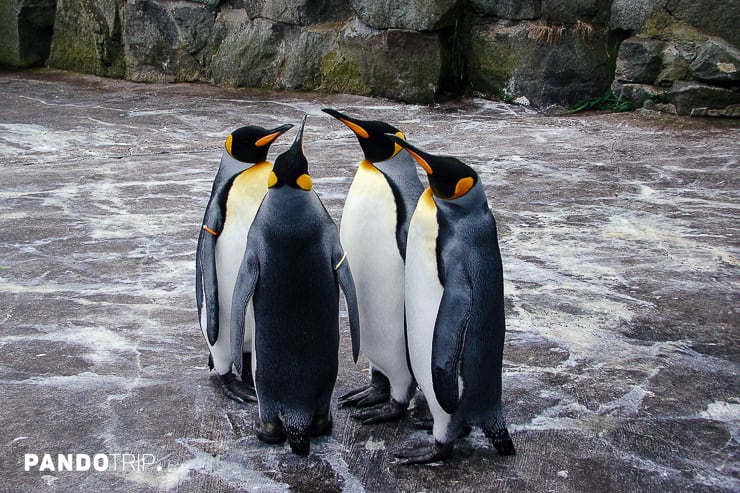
column 244, row 199
column 423, row 291
column 368, row 236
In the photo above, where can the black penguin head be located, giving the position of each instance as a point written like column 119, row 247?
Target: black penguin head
column 372, row 136
column 250, row 144
column 291, row 167
column 449, row 178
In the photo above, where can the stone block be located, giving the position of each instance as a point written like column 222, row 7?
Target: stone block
column 712, row 17
column 636, row 94
column 264, row 53
column 571, row 11
column 639, row 60
column 300, row 12
column 687, row 96
column 515, row 60
column 399, row 64
column 717, row 63
column 162, row 40
column 630, row 15
column 87, row 38
column 418, row 15
column 509, row 9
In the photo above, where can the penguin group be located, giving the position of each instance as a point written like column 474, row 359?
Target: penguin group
column 421, row 273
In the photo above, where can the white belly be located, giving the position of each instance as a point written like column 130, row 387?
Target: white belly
column 368, row 236
column 245, row 197
column 423, row 296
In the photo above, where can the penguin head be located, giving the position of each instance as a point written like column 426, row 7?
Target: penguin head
column 372, row 136
column 449, row 178
column 250, row 144
column 291, row 167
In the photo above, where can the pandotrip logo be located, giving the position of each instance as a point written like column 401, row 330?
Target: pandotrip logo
column 91, row 462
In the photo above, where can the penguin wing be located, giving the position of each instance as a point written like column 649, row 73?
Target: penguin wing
column 450, row 330
column 206, row 283
column 246, row 281
column 406, row 191
column 344, row 276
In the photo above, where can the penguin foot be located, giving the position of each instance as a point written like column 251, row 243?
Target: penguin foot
column 365, row 397
column 501, row 440
column 237, row 390
column 425, row 453
column 321, row 425
column 300, row 443
column 271, row 432
column 378, row 391
column 380, row 413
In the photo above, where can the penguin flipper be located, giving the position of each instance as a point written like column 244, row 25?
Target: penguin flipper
column 448, row 342
column 246, row 281
column 344, row 276
column 206, row 283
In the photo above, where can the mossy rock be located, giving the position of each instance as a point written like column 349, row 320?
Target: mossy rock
column 399, row 64
column 87, row 38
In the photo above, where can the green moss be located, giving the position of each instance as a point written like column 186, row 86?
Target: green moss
column 342, row 73
column 492, row 65
column 84, row 41
column 663, row 25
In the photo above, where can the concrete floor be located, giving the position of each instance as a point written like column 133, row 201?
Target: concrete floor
column 619, row 235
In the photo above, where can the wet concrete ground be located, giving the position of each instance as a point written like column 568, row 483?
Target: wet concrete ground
column 619, row 235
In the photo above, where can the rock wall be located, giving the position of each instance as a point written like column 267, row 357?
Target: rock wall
column 676, row 55
column 682, row 56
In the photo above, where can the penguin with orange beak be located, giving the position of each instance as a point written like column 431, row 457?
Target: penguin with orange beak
column 292, row 270
column 454, row 294
column 238, row 188
column 374, row 226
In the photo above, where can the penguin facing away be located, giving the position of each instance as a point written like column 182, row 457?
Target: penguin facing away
column 238, row 188
column 455, row 308
column 292, row 270
column 373, row 231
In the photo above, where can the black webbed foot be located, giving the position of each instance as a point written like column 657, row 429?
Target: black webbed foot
column 501, row 440
column 425, row 453
column 236, row 389
column 423, row 423
column 380, row 413
column 378, row 391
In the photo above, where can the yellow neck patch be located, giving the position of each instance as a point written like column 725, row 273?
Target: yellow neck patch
column 271, row 179
column 304, row 182
column 229, row 140
column 398, row 148
column 366, row 165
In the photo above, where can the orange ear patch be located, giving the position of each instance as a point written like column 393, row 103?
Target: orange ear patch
column 463, row 186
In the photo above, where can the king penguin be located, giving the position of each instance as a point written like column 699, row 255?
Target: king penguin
column 238, row 188
column 455, row 307
column 373, row 230
column 292, row 270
